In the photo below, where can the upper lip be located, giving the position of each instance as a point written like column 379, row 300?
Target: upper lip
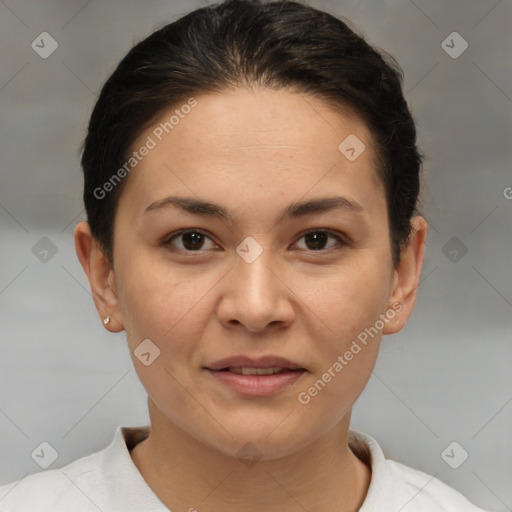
column 259, row 362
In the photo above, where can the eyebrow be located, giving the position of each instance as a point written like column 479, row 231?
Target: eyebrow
column 294, row 210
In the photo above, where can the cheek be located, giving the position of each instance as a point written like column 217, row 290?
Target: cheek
column 165, row 304
column 350, row 305
column 348, row 301
column 347, row 339
column 157, row 298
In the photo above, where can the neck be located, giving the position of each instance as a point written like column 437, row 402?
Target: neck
column 324, row 476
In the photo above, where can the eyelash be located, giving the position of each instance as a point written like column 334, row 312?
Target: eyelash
column 340, row 242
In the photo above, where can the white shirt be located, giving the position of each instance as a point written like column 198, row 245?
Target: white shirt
column 109, row 481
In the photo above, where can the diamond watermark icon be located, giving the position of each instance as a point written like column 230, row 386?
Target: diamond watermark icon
column 44, row 250
column 454, row 455
column 249, row 454
column 352, row 147
column 45, row 455
column 146, row 352
column 454, row 249
column 44, row 45
column 454, row 45
column 249, row 249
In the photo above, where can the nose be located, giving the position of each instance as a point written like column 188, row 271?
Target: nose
column 255, row 295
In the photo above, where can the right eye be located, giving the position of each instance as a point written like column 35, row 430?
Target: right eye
column 192, row 240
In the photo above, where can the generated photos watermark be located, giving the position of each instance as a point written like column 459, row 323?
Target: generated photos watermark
column 304, row 397
column 157, row 135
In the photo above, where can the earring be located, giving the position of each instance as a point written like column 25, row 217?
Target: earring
column 106, row 320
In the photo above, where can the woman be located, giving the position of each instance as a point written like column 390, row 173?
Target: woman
column 251, row 180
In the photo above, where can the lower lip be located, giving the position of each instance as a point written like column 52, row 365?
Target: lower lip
column 257, row 385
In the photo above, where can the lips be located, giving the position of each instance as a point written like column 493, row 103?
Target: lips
column 256, row 371
column 259, row 377
column 266, row 365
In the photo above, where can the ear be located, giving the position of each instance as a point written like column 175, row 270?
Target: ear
column 100, row 275
column 406, row 277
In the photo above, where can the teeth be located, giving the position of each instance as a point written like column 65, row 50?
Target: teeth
column 255, row 371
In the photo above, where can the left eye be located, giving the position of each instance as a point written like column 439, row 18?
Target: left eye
column 193, row 240
column 318, row 238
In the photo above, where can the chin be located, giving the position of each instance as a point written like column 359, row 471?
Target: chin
column 258, row 439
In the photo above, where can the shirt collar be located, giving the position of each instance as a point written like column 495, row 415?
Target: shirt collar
column 381, row 495
column 129, row 489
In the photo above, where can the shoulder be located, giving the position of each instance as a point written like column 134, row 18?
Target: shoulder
column 402, row 487
column 427, row 492
column 52, row 490
column 104, row 480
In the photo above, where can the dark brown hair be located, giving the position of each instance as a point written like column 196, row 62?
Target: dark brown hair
column 237, row 43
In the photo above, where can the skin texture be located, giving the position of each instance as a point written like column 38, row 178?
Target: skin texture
column 253, row 151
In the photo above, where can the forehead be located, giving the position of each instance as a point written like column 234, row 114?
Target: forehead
column 247, row 119
column 253, row 139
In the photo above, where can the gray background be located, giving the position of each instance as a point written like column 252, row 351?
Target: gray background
column 446, row 377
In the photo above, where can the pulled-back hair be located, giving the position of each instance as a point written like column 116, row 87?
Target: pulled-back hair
column 239, row 43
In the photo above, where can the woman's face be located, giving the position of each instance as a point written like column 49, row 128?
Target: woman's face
column 250, row 283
